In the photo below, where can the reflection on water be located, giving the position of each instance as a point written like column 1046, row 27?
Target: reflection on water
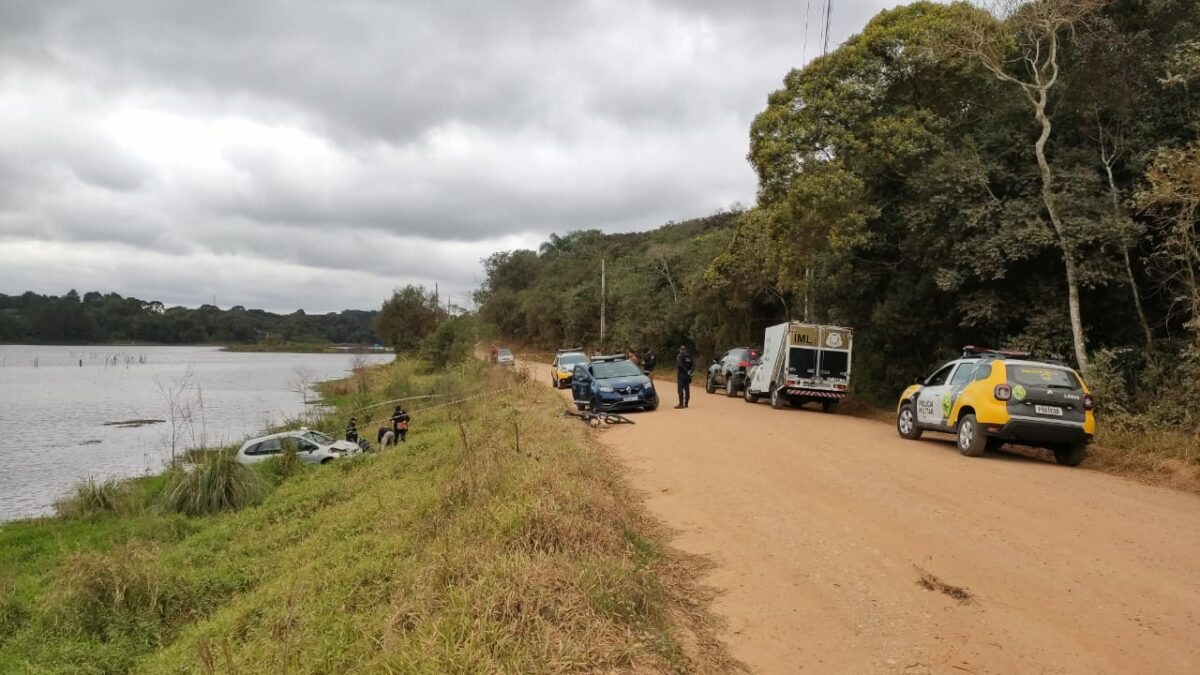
column 57, row 416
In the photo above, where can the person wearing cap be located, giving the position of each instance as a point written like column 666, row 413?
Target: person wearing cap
column 352, row 431
column 683, row 375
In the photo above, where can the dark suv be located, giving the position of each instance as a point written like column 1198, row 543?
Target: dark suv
column 729, row 371
column 612, row 383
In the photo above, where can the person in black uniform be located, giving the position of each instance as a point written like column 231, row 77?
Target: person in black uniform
column 683, row 376
column 352, row 431
column 400, row 420
column 649, row 360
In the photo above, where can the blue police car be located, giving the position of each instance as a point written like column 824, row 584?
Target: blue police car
column 612, row 383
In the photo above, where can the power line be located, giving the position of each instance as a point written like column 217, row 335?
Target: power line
column 828, row 17
column 807, row 10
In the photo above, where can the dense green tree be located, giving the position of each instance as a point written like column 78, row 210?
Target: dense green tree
column 902, row 192
column 409, row 317
column 112, row 318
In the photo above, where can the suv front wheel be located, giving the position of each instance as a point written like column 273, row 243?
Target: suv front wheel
column 906, row 423
column 971, row 440
column 709, row 386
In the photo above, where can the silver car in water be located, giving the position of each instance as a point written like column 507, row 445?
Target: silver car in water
column 312, row 447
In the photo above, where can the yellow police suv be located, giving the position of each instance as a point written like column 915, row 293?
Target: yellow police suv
column 990, row 397
column 563, row 367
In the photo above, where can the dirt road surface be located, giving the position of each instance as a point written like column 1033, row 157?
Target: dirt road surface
column 817, row 525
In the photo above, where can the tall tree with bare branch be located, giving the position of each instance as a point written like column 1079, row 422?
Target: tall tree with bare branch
column 1019, row 43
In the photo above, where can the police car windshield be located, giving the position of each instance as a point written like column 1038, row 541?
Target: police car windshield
column 1042, row 376
column 610, row 369
column 571, row 359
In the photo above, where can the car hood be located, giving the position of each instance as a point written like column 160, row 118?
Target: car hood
column 625, row 381
column 346, row 446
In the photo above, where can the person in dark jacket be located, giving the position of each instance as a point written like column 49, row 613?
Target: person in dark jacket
column 649, row 360
column 400, row 420
column 683, row 376
column 352, row 431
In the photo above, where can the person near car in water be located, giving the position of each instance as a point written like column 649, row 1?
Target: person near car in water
column 400, row 420
column 683, row 376
column 649, row 361
column 352, row 431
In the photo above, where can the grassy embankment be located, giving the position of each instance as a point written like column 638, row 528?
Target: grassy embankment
column 500, row 538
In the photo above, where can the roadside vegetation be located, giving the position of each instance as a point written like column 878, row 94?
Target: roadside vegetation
column 906, row 189
column 500, row 538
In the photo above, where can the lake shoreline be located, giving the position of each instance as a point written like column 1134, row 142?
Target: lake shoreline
column 114, row 408
column 256, row 348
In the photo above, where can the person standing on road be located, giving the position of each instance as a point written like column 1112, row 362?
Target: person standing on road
column 683, row 376
column 649, row 361
column 400, row 420
column 633, row 357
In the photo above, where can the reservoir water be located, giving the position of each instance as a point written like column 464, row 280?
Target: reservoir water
column 57, row 418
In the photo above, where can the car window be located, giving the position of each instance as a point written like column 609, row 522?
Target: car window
column 254, row 449
column 570, row 360
column 1043, row 376
column 983, row 371
column 607, row 369
column 939, row 378
column 269, row 447
column 964, row 373
column 318, row 437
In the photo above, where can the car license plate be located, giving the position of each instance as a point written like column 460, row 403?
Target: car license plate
column 630, row 399
column 1048, row 410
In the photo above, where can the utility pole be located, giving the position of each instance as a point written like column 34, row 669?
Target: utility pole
column 603, row 297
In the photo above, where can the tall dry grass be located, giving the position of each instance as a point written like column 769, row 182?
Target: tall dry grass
column 91, row 499
column 217, row 484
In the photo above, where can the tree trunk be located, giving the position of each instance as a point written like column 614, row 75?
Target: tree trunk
column 1077, row 332
column 1114, row 196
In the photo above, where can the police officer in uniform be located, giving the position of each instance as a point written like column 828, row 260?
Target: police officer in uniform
column 683, row 376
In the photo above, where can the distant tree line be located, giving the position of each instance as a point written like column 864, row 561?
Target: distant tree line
column 1029, row 179
column 96, row 318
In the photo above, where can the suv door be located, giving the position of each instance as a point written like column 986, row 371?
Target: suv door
column 932, row 408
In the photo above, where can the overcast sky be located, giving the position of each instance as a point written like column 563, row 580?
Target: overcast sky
column 316, row 155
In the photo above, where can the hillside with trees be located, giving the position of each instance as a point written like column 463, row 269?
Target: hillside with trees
column 98, row 318
column 946, row 177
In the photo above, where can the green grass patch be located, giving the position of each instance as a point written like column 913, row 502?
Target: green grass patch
column 454, row 553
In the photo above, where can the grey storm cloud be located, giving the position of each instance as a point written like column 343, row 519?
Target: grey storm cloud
column 317, row 154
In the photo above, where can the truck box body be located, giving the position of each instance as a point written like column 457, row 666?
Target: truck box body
column 804, row 362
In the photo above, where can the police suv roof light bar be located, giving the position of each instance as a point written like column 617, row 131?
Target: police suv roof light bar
column 972, row 350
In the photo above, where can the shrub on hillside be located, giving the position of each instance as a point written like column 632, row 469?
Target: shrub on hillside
column 92, row 499
column 282, row 466
column 217, row 484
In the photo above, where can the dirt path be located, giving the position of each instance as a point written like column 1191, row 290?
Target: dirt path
column 818, row 523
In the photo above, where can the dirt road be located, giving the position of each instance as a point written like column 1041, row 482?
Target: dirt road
column 818, row 523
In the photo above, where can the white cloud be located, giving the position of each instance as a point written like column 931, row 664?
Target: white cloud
column 318, row 158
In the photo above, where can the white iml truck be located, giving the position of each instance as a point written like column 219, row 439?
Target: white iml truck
column 802, row 362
